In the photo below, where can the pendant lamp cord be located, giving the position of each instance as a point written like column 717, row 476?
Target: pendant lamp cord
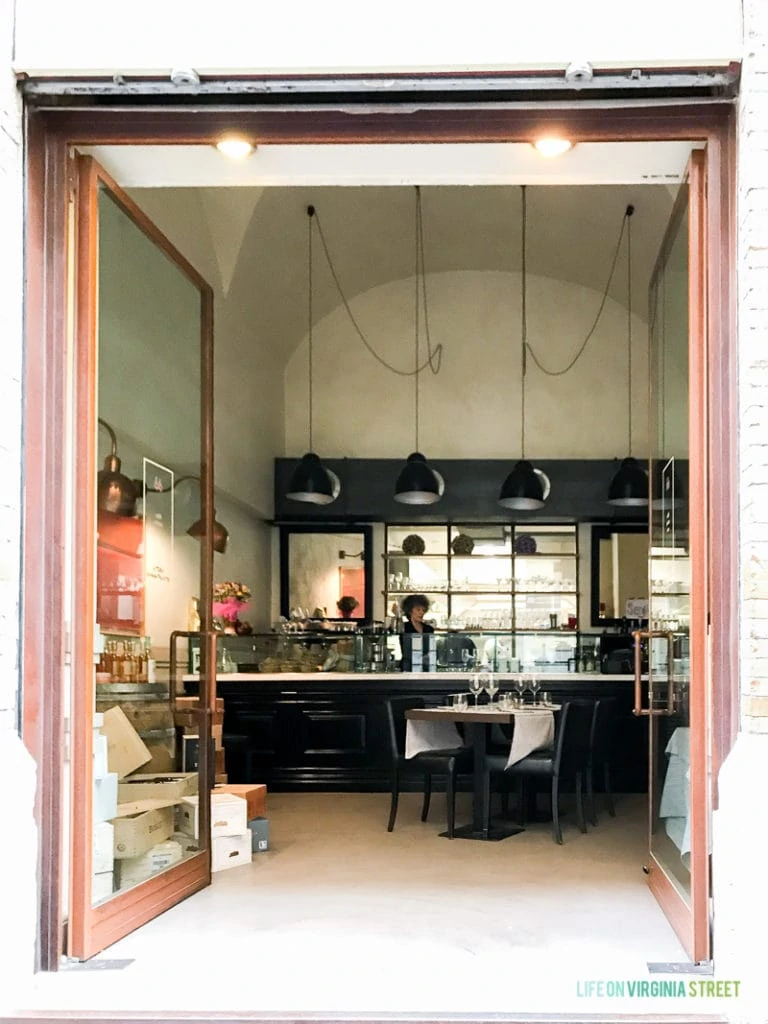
column 310, row 215
column 628, row 219
column 523, row 310
column 434, row 355
column 596, row 321
column 416, row 311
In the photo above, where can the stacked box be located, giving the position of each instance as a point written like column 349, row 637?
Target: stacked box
column 230, row 836
column 229, row 815
column 138, row 831
column 133, row 870
column 259, row 829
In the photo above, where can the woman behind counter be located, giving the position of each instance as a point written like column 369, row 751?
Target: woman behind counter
column 414, row 608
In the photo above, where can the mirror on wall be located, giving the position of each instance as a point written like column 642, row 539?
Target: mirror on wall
column 326, row 570
column 619, row 571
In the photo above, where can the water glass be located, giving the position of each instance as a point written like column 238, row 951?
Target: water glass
column 460, row 701
column 546, row 697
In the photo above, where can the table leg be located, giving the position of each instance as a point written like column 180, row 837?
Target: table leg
column 481, row 795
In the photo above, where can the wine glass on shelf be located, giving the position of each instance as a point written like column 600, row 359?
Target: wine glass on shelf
column 475, row 685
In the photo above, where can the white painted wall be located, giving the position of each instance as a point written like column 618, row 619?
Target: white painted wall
column 471, row 409
column 239, row 36
column 19, row 845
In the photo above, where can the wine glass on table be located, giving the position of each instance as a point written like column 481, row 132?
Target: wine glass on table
column 475, row 685
column 490, row 684
column 520, row 686
column 534, row 685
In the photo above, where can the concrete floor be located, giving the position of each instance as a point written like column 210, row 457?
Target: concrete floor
column 341, row 916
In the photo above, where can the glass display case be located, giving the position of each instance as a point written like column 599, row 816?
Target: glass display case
column 489, row 577
column 457, row 650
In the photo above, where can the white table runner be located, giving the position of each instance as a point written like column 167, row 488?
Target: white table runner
column 421, row 737
column 534, row 729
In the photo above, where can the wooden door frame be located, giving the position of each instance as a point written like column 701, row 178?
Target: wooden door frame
column 51, row 132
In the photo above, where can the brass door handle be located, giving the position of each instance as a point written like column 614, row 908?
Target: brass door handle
column 638, row 709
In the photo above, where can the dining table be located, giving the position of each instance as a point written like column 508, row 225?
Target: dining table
column 533, row 728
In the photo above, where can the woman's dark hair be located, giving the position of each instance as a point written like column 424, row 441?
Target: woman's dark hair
column 414, row 601
column 347, row 604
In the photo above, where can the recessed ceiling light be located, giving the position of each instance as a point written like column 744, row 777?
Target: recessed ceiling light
column 550, row 146
column 235, row 147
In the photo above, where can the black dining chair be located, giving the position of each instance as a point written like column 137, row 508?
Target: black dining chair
column 567, row 762
column 601, row 742
column 449, row 762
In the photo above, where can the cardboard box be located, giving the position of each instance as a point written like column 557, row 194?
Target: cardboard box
column 135, row 833
column 189, row 720
column 187, row 843
column 102, row 886
column 126, row 751
column 254, row 795
column 133, row 870
column 105, row 798
column 230, row 851
column 103, row 847
column 229, row 815
column 190, row 703
column 157, row 786
column 259, row 829
column 100, row 755
column 220, row 779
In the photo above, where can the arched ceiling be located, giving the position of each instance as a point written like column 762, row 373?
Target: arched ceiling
column 572, row 236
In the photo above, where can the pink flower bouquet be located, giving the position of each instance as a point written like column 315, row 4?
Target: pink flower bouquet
column 229, row 600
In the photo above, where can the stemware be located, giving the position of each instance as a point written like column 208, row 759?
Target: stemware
column 534, row 686
column 475, row 685
column 490, row 684
column 520, row 686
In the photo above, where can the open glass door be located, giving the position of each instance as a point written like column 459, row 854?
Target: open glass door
column 142, row 474
column 676, row 643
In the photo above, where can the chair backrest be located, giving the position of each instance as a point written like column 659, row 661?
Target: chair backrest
column 396, row 708
column 573, row 736
column 605, row 716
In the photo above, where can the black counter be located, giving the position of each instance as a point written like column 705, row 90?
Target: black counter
column 306, row 732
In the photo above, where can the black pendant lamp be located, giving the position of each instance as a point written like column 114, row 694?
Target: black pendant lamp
column 418, row 483
column 116, row 492
column 526, row 488
column 311, row 482
column 629, row 487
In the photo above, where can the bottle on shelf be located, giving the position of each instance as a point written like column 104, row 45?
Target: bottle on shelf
column 151, row 672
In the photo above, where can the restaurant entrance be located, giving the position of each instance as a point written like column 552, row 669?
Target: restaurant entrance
column 57, row 135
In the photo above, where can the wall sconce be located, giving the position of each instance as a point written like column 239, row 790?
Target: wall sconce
column 116, row 492
column 197, row 529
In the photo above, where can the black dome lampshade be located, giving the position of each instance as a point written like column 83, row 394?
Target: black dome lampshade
column 116, row 492
column 523, row 489
column 418, row 483
column 311, row 482
column 629, row 486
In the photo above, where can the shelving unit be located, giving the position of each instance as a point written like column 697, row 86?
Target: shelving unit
column 518, row 577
